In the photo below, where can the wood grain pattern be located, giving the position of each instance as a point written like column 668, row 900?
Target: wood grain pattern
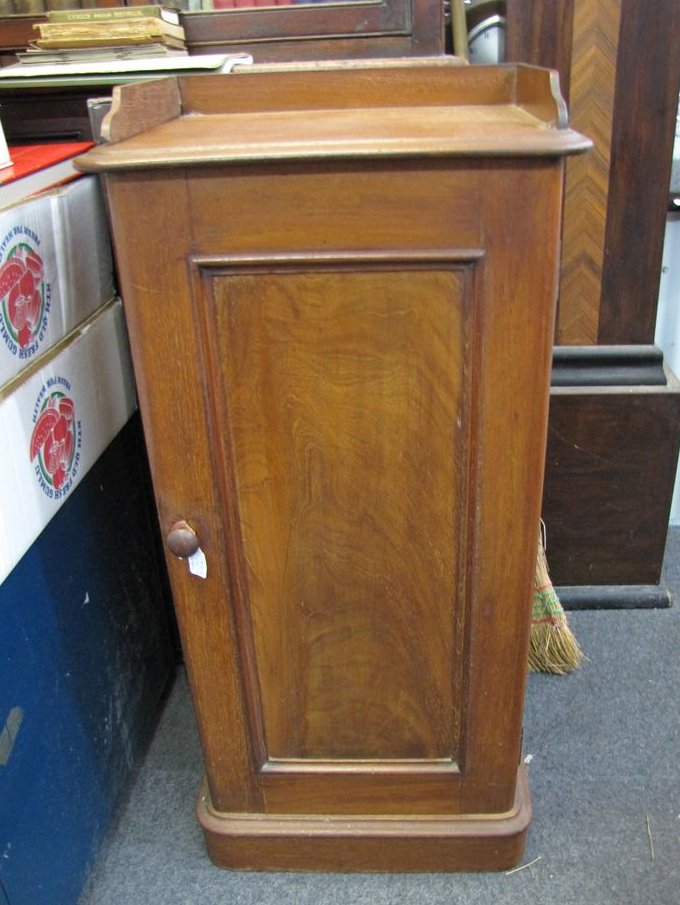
column 344, row 374
column 611, row 456
column 275, row 136
column 541, row 33
column 386, row 28
column 646, row 103
column 243, row 842
column 154, row 102
column 164, row 351
column 646, row 84
column 483, row 110
column 632, row 77
column 348, row 85
column 328, row 396
column 593, row 76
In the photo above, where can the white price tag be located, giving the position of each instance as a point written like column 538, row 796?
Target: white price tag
column 198, row 564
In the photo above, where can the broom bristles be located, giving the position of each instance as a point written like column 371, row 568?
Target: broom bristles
column 553, row 647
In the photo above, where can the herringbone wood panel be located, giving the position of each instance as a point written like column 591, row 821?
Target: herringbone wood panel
column 593, row 72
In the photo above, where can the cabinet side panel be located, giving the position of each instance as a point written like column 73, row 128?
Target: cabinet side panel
column 516, row 318
column 343, row 414
column 152, row 229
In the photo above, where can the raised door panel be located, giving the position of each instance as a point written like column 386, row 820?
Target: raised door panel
column 341, row 410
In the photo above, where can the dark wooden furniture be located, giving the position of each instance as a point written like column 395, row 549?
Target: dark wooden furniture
column 612, row 452
column 339, row 286
column 314, row 31
column 386, row 28
column 621, row 75
column 610, row 470
column 31, row 115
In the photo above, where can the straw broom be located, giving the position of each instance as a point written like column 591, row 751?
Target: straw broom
column 552, row 646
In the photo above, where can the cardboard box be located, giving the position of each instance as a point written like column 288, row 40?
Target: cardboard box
column 86, row 648
column 56, row 268
column 86, row 654
column 86, row 263
column 56, row 418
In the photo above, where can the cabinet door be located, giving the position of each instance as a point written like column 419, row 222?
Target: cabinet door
column 340, row 410
column 344, row 383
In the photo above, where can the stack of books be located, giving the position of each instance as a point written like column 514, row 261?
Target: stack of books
column 113, row 32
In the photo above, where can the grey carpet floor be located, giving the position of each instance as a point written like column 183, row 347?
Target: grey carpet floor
column 604, row 766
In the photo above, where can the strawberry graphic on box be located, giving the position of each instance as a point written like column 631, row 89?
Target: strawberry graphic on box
column 21, row 294
column 53, row 440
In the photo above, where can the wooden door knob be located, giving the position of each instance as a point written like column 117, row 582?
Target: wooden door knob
column 182, row 540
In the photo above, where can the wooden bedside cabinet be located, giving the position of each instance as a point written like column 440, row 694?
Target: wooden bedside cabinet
column 339, row 285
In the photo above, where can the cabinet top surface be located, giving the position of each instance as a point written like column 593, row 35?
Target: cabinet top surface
column 369, row 111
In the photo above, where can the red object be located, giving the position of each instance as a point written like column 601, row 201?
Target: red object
column 35, row 168
column 31, row 158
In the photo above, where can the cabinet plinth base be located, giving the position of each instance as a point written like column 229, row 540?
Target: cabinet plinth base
column 466, row 842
